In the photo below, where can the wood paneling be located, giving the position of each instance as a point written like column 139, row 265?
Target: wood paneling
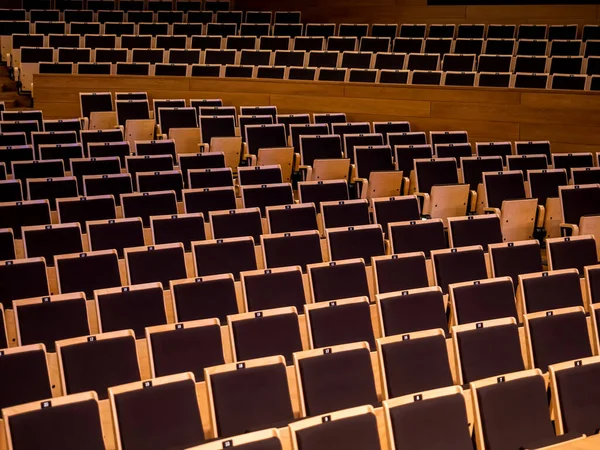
column 568, row 119
column 417, row 11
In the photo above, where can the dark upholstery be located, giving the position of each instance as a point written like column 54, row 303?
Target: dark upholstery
column 416, row 365
column 18, row 281
column 267, row 336
column 559, row 338
column 294, row 250
column 116, row 235
column 341, row 324
column 579, row 391
column 575, row 203
column 364, row 243
column 437, row 423
column 23, row 378
column 274, row 290
column 573, row 254
column 418, row 237
column 515, row 415
column 399, row 274
column 552, row 292
column 88, row 273
column 594, row 280
column 485, row 301
column 516, row 260
column 218, row 257
column 100, row 364
column 187, row 350
column 90, row 209
column 292, row 219
column 396, row 211
column 65, row 427
column 350, row 433
column 205, row 300
column 476, row 232
column 491, row 351
column 345, row 214
column 335, row 381
column 7, row 246
column 325, row 192
column 19, row 215
column 504, row 187
column 335, row 282
column 237, row 224
column 52, row 241
column 52, row 321
column 3, row 337
column 157, row 265
column 179, row 229
column 162, row 417
column 132, row 310
column 265, row 444
column 418, row 311
column 456, row 267
column 267, row 195
column 145, row 206
column 251, row 399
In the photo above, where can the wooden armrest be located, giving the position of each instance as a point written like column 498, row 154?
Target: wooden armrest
column 362, row 186
column 426, row 205
column 296, row 165
column 541, row 215
column 473, row 203
column 405, row 185
column 492, row 211
column 569, row 229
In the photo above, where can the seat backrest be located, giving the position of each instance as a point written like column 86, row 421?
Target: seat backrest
column 544, row 184
column 323, row 191
column 94, row 102
column 265, row 136
column 467, row 304
column 130, row 308
column 24, row 375
column 116, row 234
column 592, row 278
column 417, row 236
column 364, row 242
column 340, row 322
column 574, row 252
column 412, row 310
column 501, row 186
column 84, row 209
column 184, row 228
column 399, row 272
column 50, row 240
column 216, row 125
column 156, row 263
column 290, row 218
column 236, row 223
column 433, row 172
column 148, row 204
column 22, row 278
column 345, row 213
column 254, row 175
column 49, row 319
column 205, row 200
column 349, row 379
column 475, row 230
column 515, row 258
column 24, row 170
column 298, row 131
column 132, row 110
column 204, row 297
column 208, row 178
column 246, row 120
column 149, row 163
column 274, row 288
column 217, row 256
column 351, row 140
column 52, row 189
column 473, row 168
column 544, row 291
column 455, row 265
column 299, row 248
column 265, row 333
column 338, row 280
column 65, row 423
column 534, row 148
column 177, row 117
column 15, row 215
column 572, row 160
column 95, row 363
column 265, row 195
column 87, row 271
column 206, row 160
column 578, row 201
column 487, row 349
column 139, row 423
column 414, row 362
column 395, row 209
column 525, row 163
column 556, row 336
column 241, row 384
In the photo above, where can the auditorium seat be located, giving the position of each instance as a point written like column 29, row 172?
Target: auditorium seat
column 417, row 236
column 544, row 291
column 474, row 230
column 455, row 265
column 290, row 218
column 155, row 263
column 515, row 258
column 299, row 248
column 394, row 273
column 148, row 204
column 87, row 271
column 184, row 228
column 213, row 257
column 274, row 288
column 573, row 252
column 363, row 241
column 50, row 240
column 337, row 280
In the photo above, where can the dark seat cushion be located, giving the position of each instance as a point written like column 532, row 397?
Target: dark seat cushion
column 552, row 292
column 217, row 258
column 49, row 322
column 517, row 260
column 419, row 237
column 23, row 378
column 160, row 266
column 187, row 350
column 297, row 250
column 350, row 244
column 515, row 414
column 420, row 311
column 339, row 281
column 579, row 394
column 342, row 324
column 456, row 267
column 267, row 336
column 398, row 274
column 275, row 290
column 86, row 274
column 18, row 281
column 350, row 433
column 205, row 300
column 100, row 364
column 266, row 444
column 485, row 301
column 65, row 427
column 559, row 338
column 251, row 399
column 487, row 352
column 144, row 422
column 416, row 365
column 477, row 232
column 51, row 242
column 573, row 254
column 335, row 381
column 437, row 423
column 132, row 310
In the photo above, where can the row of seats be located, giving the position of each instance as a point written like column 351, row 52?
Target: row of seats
column 128, row 5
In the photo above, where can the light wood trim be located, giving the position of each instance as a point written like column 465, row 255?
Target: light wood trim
column 241, row 439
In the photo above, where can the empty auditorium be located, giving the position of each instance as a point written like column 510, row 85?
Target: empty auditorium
column 299, row 225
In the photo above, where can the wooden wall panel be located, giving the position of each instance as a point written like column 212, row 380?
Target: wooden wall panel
column 568, row 119
column 417, row 11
